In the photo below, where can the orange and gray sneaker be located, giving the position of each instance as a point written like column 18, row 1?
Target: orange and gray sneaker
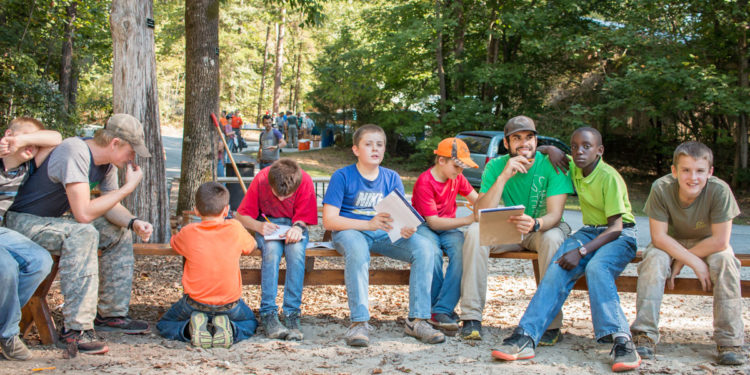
column 518, row 346
column 624, row 355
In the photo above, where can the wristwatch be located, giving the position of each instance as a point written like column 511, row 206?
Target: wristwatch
column 583, row 251
column 535, row 228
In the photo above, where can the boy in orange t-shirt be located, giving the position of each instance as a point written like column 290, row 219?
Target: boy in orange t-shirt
column 211, row 278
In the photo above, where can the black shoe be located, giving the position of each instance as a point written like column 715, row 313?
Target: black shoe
column 624, row 355
column 472, row 330
column 120, row 324
column 81, row 341
column 551, row 337
column 291, row 322
column 518, row 346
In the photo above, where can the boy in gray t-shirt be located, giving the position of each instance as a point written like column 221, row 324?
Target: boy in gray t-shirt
column 690, row 214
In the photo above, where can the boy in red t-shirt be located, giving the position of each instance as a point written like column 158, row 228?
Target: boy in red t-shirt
column 434, row 197
column 211, row 277
column 281, row 194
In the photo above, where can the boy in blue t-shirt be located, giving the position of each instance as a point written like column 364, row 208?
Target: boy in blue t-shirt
column 348, row 210
column 600, row 251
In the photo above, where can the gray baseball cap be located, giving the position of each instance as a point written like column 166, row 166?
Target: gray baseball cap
column 129, row 129
column 518, row 124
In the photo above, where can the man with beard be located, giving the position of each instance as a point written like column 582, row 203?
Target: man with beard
column 522, row 177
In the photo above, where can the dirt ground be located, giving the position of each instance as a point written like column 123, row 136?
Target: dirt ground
column 686, row 328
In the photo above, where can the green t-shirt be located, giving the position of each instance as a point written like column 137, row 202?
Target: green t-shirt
column 601, row 194
column 530, row 189
column 715, row 204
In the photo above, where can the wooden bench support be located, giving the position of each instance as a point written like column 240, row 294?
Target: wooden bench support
column 37, row 312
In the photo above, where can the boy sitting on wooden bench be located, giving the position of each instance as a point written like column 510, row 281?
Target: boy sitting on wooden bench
column 211, row 278
column 690, row 216
column 282, row 194
column 23, row 263
column 358, row 230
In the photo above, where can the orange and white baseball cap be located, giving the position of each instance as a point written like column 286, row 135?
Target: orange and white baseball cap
column 457, row 150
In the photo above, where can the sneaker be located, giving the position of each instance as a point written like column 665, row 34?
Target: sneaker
column 358, row 334
column 199, row 335
column 472, row 330
column 731, row 355
column 518, row 346
column 550, row 337
column 644, row 345
column 273, row 327
column 14, row 349
column 223, row 336
column 292, row 324
column 120, row 324
column 624, row 356
column 443, row 322
column 420, row 329
column 86, row 342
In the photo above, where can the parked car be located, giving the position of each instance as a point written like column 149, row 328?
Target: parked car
column 486, row 145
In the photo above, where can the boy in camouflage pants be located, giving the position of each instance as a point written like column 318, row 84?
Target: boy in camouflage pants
column 63, row 183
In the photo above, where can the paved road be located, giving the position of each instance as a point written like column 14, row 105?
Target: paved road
column 740, row 240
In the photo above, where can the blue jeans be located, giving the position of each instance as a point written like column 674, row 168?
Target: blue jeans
column 23, row 266
column 220, row 167
column 445, row 290
column 269, row 270
column 601, row 269
column 356, row 246
column 174, row 323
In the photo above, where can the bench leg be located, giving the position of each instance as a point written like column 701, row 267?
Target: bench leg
column 37, row 312
column 535, row 264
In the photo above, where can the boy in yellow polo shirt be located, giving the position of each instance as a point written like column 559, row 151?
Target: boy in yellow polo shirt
column 600, row 251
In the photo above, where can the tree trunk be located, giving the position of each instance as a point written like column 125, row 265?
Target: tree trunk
column 66, row 63
column 134, row 92
column 296, row 85
column 439, row 58
column 201, row 97
column 279, row 63
column 459, row 88
column 740, row 161
column 263, row 74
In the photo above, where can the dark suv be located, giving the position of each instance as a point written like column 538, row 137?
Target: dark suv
column 486, row 145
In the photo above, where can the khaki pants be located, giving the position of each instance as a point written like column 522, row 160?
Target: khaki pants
column 724, row 270
column 475, row 264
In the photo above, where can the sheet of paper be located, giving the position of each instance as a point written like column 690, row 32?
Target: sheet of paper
column 320, row 245
column 494, row 227
column 278, row 233
column 402, row 213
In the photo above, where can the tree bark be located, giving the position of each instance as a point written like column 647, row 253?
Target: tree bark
column 459, row 87
column 439, row 58
column 263, row 74
column 134, row 92
column 66, row 63
column 741, row 132
column 297, row 81
column 279, row 63
column 201, row 97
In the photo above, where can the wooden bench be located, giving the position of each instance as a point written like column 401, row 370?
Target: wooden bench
column 37, row 312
